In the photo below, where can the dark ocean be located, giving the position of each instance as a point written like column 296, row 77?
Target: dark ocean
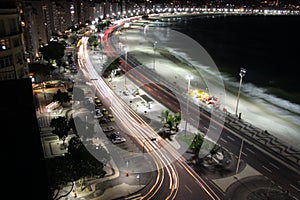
column 267, row 46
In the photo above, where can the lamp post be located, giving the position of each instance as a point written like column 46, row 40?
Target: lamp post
column 189, row 78
column 154, row 46
column 242, row 74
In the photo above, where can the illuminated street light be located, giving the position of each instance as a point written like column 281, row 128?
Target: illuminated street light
column 189, row 78
column 242, row 74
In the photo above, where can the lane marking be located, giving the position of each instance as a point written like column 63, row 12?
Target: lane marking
column 295, row 187
column 267, row 169
column 275, row 166
column 188, row 188
column 223, row 140
column 133, row 196
column 250, row 150
column 244, row 153
column 230, row 138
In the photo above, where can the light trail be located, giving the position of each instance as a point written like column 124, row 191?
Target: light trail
column 133, row 125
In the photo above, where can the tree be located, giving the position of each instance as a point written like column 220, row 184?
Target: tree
column 61, row 97
column 53, row 51
column 172, row 120
column 61, row 127
column 40, row 71
column 107, row 23
column 85, row 163
column 177, row 120
column 100, row 26
column 197, row 143
column 93, row 41
column 165, row 115
column 170, row 124
column 110, row 65
column 77, row 164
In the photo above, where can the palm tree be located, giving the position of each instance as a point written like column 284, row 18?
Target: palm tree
column 197, row 143
column 177, row 119
column 165, row 115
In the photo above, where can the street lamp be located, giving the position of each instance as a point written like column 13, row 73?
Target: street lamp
column 242, row 74
column 154, row 46
column 189, row 78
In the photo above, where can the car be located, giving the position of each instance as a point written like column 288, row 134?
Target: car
column 111, row 117
column 98, row 102
column 103, row 121
column 113, row 135
column 116, row 138
column 104, row 111
column 98, row 115
column 108, row 128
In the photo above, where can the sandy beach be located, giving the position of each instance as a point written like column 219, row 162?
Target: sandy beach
column 256, row 112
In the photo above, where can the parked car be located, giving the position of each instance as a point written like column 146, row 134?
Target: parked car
column 104, row 111
column 103, row 121
column 111, row 117
column 97, row 101
column 116, row 138
column 108, row 128
column 98, row 115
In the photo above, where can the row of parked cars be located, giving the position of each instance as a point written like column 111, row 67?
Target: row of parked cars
column 104, row 118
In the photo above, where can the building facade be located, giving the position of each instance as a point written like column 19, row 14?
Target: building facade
column 12, row 56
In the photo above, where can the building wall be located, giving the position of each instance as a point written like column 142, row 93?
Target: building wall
column 12, row 58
